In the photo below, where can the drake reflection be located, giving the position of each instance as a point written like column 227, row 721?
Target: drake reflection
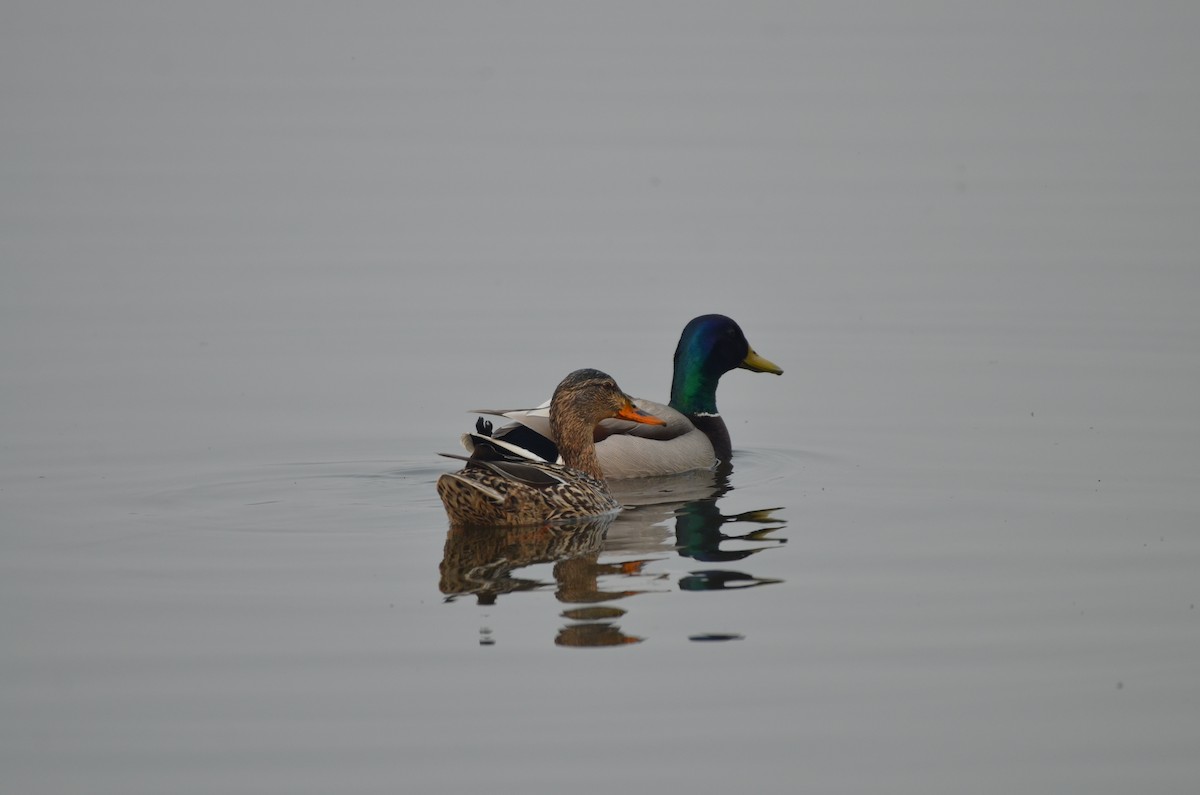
column 702, row 531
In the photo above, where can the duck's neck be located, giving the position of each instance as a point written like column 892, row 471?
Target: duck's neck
column 575, row 444
column 694, row 393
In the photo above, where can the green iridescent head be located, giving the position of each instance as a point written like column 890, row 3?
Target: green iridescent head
column 710, row 346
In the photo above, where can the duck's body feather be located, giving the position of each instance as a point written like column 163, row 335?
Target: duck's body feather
column 514, row 493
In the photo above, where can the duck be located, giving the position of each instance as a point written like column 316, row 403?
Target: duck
column 504, row 486
column 693, row 435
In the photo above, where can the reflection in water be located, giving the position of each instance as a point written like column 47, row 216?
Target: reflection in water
column 698, row 531
column 593, row 613
column 720, row 580
column 593, row 634
column 481, row 561
column 579, row 579
column 596, row 627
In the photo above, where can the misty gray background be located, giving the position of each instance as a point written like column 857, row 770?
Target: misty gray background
column 256, row 261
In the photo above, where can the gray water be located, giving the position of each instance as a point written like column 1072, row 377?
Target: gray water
column 258, row 261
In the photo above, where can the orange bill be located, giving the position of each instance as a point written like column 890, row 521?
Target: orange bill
column 632, row 412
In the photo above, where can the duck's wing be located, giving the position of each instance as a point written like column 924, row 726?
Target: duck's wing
column 473, row 442
column 508, row 462
column 526, row 472
column 624, row 455
column 677, row 424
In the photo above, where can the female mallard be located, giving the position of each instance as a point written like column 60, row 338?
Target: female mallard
column 694, row 436
column 499, row 488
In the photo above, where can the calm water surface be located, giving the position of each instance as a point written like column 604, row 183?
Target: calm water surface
column 258, row 263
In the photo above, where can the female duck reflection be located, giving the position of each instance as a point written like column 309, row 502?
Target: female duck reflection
column 481, row 561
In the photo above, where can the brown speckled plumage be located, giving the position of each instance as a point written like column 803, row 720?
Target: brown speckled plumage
column 497, row 489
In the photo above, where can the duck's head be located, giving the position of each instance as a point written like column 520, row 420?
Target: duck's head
column 590, row 396
column 716, row 345
column 710, row 346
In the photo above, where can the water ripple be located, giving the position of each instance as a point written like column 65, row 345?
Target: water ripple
column 306, row 497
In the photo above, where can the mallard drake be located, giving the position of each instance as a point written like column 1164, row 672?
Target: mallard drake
column 694, row 435
column 502, row 486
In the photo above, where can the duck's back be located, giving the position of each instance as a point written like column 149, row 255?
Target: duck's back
column 480, row 496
